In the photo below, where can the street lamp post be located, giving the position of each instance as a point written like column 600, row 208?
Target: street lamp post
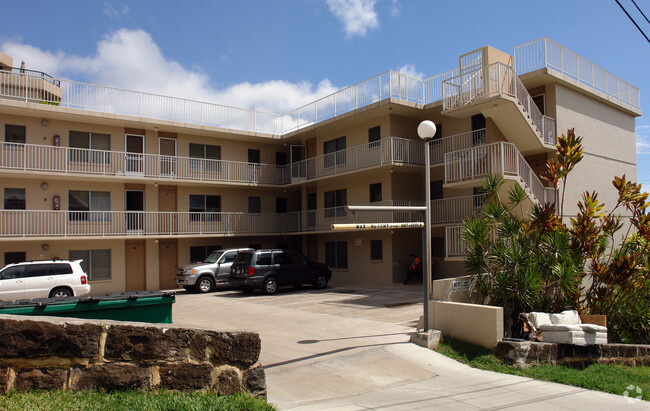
column 426, row 131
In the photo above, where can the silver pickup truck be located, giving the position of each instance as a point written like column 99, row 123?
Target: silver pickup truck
column 202, row 277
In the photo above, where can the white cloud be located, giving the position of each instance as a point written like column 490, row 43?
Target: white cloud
column 643, row 139
column 395, row 8
column 357, row 16
column 130, row 59
column 112, row 12
column 409, row 70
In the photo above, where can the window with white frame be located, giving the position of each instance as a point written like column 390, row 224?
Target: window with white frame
column 96, row 263
column 92, row 147
column 334, row 152
column 205, row 157
column 89, row 205
column 205, row 208
column 335, row 202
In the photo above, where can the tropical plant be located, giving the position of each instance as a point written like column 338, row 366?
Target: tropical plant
column 537, row 262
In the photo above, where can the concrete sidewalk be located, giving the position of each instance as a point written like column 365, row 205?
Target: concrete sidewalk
column 348, row 349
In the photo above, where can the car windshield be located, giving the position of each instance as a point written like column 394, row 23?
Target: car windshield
column 213, row 257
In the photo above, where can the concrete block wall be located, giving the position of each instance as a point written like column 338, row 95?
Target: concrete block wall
column 56, row 353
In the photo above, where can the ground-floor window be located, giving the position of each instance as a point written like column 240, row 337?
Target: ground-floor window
column 336, row 254
column 376, row 250
column 198, row 253
column 96, row 263
column 12, row 257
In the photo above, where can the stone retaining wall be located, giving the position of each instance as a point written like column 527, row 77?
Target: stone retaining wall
column 69, row 354
column 525, row 353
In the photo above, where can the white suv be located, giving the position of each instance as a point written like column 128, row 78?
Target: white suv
column 43, row 279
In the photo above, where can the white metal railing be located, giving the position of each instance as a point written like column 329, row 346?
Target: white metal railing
column 544, row 52
column 455, row 245
column 491, row 80
column 72, row 94
column 496, row 158
column 385, row 151
column 64, row 223
column 439, row 147
column 455, row 209
column 69, row 160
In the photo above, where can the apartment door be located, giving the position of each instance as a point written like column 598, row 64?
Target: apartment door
column 135, row 266
column 311, row 210
column 298, row 166
column 167, row 162
column 311, row 153
column 167, row 263
column 134, row 157
column 134, row 211
column 168, row 222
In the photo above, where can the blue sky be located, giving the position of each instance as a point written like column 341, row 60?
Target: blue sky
column 279, row 55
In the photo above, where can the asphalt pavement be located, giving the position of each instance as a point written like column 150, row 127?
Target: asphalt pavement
column 347, row 348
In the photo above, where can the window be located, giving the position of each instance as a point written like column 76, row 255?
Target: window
column 254, row 205
column 89, row 205
column 15, row 134
column 280, row 158
column 436, row 190
column 199, row 253
column 208, row 206
column 96, row 263
column 478, row 126
column 12, row 257
column 336, row 254
column 281, row 205
column 374, row 135
column 14, row 198
column 334, row 151
column 335, row 202
column 253, row 156
column 205, row 157
column 92, row 141
column 376, row 250
column 539, row 102
column 375, row 192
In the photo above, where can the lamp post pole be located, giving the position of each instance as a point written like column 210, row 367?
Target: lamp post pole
column 426, row 131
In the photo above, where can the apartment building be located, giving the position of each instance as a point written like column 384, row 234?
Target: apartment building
column 138, row 184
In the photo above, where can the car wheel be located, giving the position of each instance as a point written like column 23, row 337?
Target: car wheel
column 205, row 284
column 61, row 292
column 270, row 286
column 320, row 281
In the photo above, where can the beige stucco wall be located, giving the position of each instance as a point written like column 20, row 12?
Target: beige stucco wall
column 609, row 146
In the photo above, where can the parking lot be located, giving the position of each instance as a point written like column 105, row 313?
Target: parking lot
column 347, row 348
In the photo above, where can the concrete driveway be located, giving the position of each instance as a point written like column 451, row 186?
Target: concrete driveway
column 347, row 348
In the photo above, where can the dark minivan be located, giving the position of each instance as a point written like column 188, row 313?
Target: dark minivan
column 269, row 270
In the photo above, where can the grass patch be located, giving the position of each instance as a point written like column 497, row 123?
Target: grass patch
column 129, row 400
column 613, row 379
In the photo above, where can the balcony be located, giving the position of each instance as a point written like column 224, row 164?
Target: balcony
column 454, row 210
column 495, row 91
column 468, row 166
column 545, row 53
column 30, row 85
column 77, row 161
column 33, row 224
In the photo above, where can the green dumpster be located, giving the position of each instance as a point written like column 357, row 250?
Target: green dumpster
column 141, row 306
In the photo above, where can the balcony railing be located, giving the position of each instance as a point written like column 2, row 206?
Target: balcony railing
column 547, row 53
column 455, row 245
column 492, row 80
column 496, row 158
column 72, row 94
column 46, row 223
column 455, row 209
column 68, row 160
column 439, row 147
